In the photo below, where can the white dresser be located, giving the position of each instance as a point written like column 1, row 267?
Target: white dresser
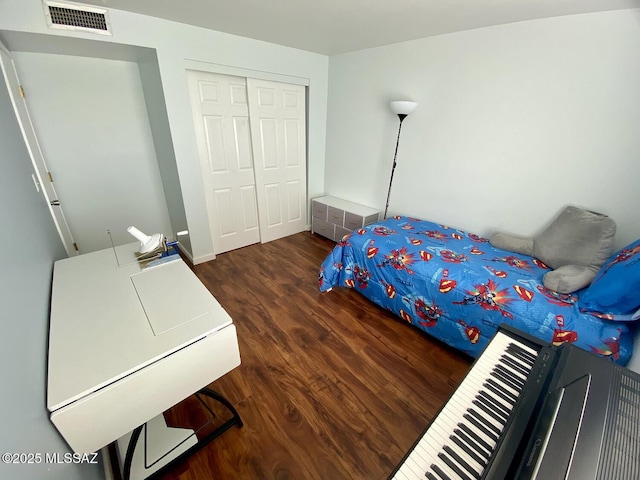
column 334, row 218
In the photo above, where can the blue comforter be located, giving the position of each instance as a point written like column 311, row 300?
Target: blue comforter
column 458, row 288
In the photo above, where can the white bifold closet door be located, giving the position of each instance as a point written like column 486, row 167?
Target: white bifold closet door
column 251, row 138
column 221, row 120
column 278, row 130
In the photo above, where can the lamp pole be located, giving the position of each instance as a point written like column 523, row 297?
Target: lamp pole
column 401, row 116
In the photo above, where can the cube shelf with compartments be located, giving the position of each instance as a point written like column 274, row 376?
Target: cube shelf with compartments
column 334, row 218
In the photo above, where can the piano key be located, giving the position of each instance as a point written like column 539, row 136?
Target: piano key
column 407, row 471
column 487, row 395
column 437, row 439
column 453, row 415
column 480, row 427
column 487, row 410
column 420, row 459
column 497, row 397
column 497, row 400
column 532, row 353
column 445, row 469
column 450, row 467
column 489, row 424
column 478, row 386
column 461, row 458
column 441, row 443
column 495, row 420
column 484, row 454
column 515, row 365
column 431, row 476
column 399, row 475
column 454, row 466
column 460, row 407
column 511, row 376
column 461, row 401
column 483, row 443
column 500, row 376
column 506, row 384
column 414, row 467
column 490, row 384
column 433, row 448
column 464, row 447
column 455, row 424
column 494, row 404
column 440, row 473
column 521, row 356
column 493, row 401
column 520, row 353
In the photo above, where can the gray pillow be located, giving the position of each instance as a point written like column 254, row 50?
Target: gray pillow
column 575, row 245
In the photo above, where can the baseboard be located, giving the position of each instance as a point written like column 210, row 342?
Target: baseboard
column 196, row 260
column 203, row 258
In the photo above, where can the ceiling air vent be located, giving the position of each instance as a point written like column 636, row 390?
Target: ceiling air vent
column 76, row 17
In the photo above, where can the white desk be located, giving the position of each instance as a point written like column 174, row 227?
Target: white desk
column 126, row 344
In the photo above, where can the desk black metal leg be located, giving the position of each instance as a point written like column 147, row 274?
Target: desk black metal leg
column 133, row 441
column 135, row 436
column 216, row 396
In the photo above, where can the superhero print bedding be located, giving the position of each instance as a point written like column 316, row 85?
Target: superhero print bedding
column 458, row 288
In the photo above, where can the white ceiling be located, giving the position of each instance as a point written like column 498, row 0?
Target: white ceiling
column 336, row 26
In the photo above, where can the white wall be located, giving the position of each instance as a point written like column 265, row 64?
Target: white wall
column 101, row 154
column 159, row 123
column 175, row 44
column 514, row 122
column 30, row 245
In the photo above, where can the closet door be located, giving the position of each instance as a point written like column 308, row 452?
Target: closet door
column 278, row 131
column 221, row 119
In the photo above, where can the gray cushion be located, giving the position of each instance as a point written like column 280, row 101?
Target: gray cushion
column 575, row 245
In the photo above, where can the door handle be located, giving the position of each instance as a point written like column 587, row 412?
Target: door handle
column 55, row 203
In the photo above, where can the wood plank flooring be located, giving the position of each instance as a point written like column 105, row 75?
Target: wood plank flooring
column 331, row 386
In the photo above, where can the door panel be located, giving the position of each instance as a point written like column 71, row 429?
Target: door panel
column 291, row 138
column 44, row 179
column 249, row 207
column 294, row 202
column 269, row 143
column 273, row 208
column 277, row 115
column 221, row 119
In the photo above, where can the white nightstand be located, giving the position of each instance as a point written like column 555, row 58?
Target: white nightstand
column 334, row 218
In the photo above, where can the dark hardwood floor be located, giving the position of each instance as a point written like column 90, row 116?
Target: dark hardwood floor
column 330, row 387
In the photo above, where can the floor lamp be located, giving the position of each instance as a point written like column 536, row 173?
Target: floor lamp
column 402, row 109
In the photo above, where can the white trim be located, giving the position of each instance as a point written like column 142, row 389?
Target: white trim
column 196, row 260
column 244, row 72
column 203, row 258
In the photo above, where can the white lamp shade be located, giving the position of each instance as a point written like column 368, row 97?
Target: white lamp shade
column 403, row 107
column 147, row 243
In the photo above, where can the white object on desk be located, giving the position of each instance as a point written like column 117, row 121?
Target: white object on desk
column 147, row 243
column 109, row 371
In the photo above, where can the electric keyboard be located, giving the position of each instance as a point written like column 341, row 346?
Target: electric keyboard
column 522, row 412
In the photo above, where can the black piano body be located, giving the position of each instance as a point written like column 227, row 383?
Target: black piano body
column 531, row 410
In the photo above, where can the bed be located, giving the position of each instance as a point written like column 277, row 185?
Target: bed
column 458, row 288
